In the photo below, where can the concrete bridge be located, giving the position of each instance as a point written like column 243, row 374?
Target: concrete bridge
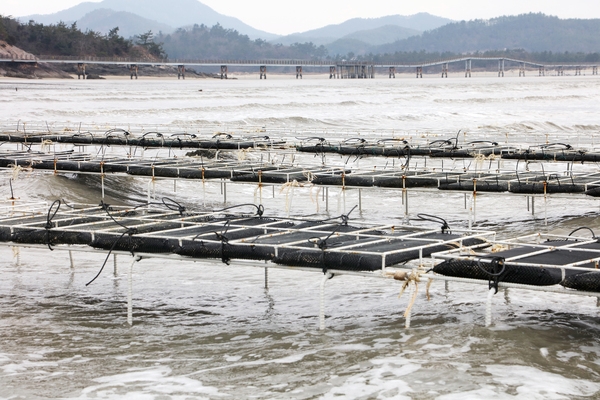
column 337, row 69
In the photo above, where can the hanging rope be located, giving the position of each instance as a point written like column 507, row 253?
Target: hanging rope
column 128, row 231
column 49, row 218
column 435, row 218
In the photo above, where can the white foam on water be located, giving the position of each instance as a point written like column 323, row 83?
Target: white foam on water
column 381, row 381
column 533, row 383
column 148, row 383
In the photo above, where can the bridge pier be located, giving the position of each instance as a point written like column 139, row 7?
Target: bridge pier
column 522, row 69
column 332, row 73
column 80, row 70
column 133, row 70
column 392, row 72
column 578, row 70
column 223, row 71
column 419, row 72
column 445, row 70
column 468, row 68
column 542, row 71
column 594, row 70
column 501, row 68
column 560, row 71
column 181, row 71
column 299, row 71
column 263, row 71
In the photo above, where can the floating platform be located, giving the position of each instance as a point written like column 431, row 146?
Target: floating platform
column 536, row 260
column 167, row 228
column 122, row 137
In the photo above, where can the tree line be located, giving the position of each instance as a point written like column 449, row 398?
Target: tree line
column 68, row 40
column 217, row 42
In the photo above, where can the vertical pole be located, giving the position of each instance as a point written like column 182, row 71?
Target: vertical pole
column 488, row 308
column 266, row 278
column 17, row 252
column 408, row 314
column 532, row 205
column 322, row 302
column 115, row 269
column 359, row 199
column 224, row 192
column 130, row 293
column 327, row 199
column 71, row 259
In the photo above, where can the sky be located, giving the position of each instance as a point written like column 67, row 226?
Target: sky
column 285, row 17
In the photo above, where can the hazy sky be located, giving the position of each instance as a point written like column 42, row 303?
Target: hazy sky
column 284, row 17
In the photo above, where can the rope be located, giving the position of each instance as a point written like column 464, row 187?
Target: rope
column 49, row 218
column 495, row 275
column 408, row 277
column 173, row 205
column 128, row 231
column 224, row 242
column 584, row 227
column 435, row 218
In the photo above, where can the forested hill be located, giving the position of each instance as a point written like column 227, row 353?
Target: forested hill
column 202, row 42
column 531, row 32
column 199, row 42
column 68, row 40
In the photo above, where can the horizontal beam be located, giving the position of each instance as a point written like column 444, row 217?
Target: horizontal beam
column 258, row 63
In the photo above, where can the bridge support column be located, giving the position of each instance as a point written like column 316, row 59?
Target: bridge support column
column 542, row 71
column 364, row 73
column 299, row 71
column 560, row 71
column 181, row 71
column 501, row 68
column 521, row 69
column 445, row 70
column 468, row 68
column 578, row 70
column 594, row 70
column 133, row 71
column 223, row 71
column 263, row 71
column 392, row 72
column 332, row 73
column 80, row 70
column 419, row 72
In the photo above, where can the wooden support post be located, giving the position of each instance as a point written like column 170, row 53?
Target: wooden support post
column 468, row 68
column 80, row 70
column 522, row 69
column 392, row 72
column 263, row 71
column 332, row 72
column 501, row 68
column 560, row 71
column 542, row 71
column 594, row 70
column 298, row 72
column 181, row 71
column 223, row 71
column 419, row 72
column 444, row 70
column 133, row 70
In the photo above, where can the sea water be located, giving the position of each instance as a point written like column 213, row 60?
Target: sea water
column 211, row 330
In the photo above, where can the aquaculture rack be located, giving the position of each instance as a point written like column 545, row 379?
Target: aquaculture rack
column 543, row 262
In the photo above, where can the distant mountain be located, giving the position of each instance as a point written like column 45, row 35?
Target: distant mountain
column 383, row 35
column 174, row 13
column 418, row 23
column 103, row 20
column 531, row 32
column 343, row 47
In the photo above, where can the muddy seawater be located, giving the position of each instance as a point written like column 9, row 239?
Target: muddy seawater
column 210, row 330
